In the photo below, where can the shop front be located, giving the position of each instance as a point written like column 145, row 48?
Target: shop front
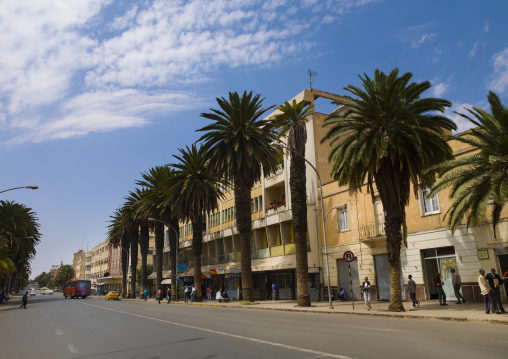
column 439, row 260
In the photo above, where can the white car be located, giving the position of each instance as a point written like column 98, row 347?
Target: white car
column 46, row 291
column 32, row 292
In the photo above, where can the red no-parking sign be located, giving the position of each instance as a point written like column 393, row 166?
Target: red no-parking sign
column 348, row 256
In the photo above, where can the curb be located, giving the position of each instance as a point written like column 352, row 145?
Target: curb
column 371, row 314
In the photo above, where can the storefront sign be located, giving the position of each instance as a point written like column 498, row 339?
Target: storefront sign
column 314, row 270
column 237, row 275
column 215, row 271
column 483, row 254
column 182, row 268
column 229, row 276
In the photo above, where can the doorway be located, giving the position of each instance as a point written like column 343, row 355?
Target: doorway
column 439, row 260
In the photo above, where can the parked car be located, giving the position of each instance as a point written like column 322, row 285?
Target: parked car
column 113, row 294
column 32, row 292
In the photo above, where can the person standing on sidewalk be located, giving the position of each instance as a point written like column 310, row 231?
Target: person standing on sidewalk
column 185, row 293
column 274, row 291
column 457, row 282
column 411, row 288
column 366, row 292
column 24, row 300
column 145, row 294
column 440, row 291
column 159, row 295
column 169, row 295
column 209, row 293
column 495, row 282
column 488, row 294
column 319, row 286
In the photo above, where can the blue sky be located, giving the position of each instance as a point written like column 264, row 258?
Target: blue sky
column 94, row 92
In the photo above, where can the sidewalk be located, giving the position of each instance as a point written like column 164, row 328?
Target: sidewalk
column 428, row 310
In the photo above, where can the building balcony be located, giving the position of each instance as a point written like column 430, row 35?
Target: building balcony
column 372, row 232
column 276, row 207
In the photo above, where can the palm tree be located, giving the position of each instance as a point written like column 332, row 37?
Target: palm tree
column 238, row 143
column 117, row 235
column 291, row 121
column 479, row 180
column 20, row 228
column 196, row 191
column 156, row 203
column 389, row 135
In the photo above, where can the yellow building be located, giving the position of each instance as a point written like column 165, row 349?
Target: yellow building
column 353, row 224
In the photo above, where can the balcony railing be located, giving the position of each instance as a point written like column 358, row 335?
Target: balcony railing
column 264, row 253
column 289, row 249
column 278, row 171
column 372, row 230
column 277, row 251
column 230, row 257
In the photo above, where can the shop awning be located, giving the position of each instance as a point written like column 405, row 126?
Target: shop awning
column 166, row 281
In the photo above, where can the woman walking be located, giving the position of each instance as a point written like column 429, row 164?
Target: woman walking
column 440, row 291
column 366, row 292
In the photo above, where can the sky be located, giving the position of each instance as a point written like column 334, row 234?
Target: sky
column 95, row 92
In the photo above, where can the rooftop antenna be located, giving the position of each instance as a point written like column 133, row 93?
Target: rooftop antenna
column 311, row 75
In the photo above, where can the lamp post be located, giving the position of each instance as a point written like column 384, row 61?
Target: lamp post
column 28, row 187
column 279, row 144
column 176, row 234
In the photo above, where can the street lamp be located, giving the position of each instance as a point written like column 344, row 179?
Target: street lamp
column 28, row 187
column 278, row 144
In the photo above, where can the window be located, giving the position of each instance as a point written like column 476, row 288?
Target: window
column 342, row 218
column 429, row 205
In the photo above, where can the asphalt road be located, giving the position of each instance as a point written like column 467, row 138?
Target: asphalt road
column 54, row 327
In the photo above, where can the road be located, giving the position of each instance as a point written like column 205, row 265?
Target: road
column 54, row 327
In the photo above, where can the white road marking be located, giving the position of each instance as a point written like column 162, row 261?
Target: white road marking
column 72, row 348
column 383, row 330
column 261, row 341
column 59, row 332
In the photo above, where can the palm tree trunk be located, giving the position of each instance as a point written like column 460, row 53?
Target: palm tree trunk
column 244, row 224
column 159, row 247
column 134, row 234
column 197, row 250
column 393, row 243
column 144, row 240
column 298, row 188
column 125, row 263
column 173, row 251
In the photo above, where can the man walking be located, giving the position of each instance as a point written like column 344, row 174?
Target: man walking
column 411, row 288
column 488, row 294
column 169, row 295
column 495, row 281
column 456, row 282
column 24, row 300
column 145, row 294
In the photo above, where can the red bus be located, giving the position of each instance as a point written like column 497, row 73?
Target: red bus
column 77, row 288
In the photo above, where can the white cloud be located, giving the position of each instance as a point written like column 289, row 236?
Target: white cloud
column 439, row 89
column 499, row 81
column 73, row 67
column 462, row 123
column 425, row 37
column 474, row 49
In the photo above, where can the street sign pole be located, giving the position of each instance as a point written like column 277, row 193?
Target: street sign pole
column 351, row 286
column 349, row 257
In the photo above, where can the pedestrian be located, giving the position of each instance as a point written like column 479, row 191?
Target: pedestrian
column 24, row 300
column 2, row 297
column 439, row 288
column 159, row 295
column 145, row 294
column 169, row 295
column 411, row 288
column 495, row 282
column 274, row 291
column 366, row 292
column 488, row 294
column 342, row 294
column 319, row 286
column 185, row 293
column 193, row 293
column 209, row 293
column 457, row 282
column 269, row 291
